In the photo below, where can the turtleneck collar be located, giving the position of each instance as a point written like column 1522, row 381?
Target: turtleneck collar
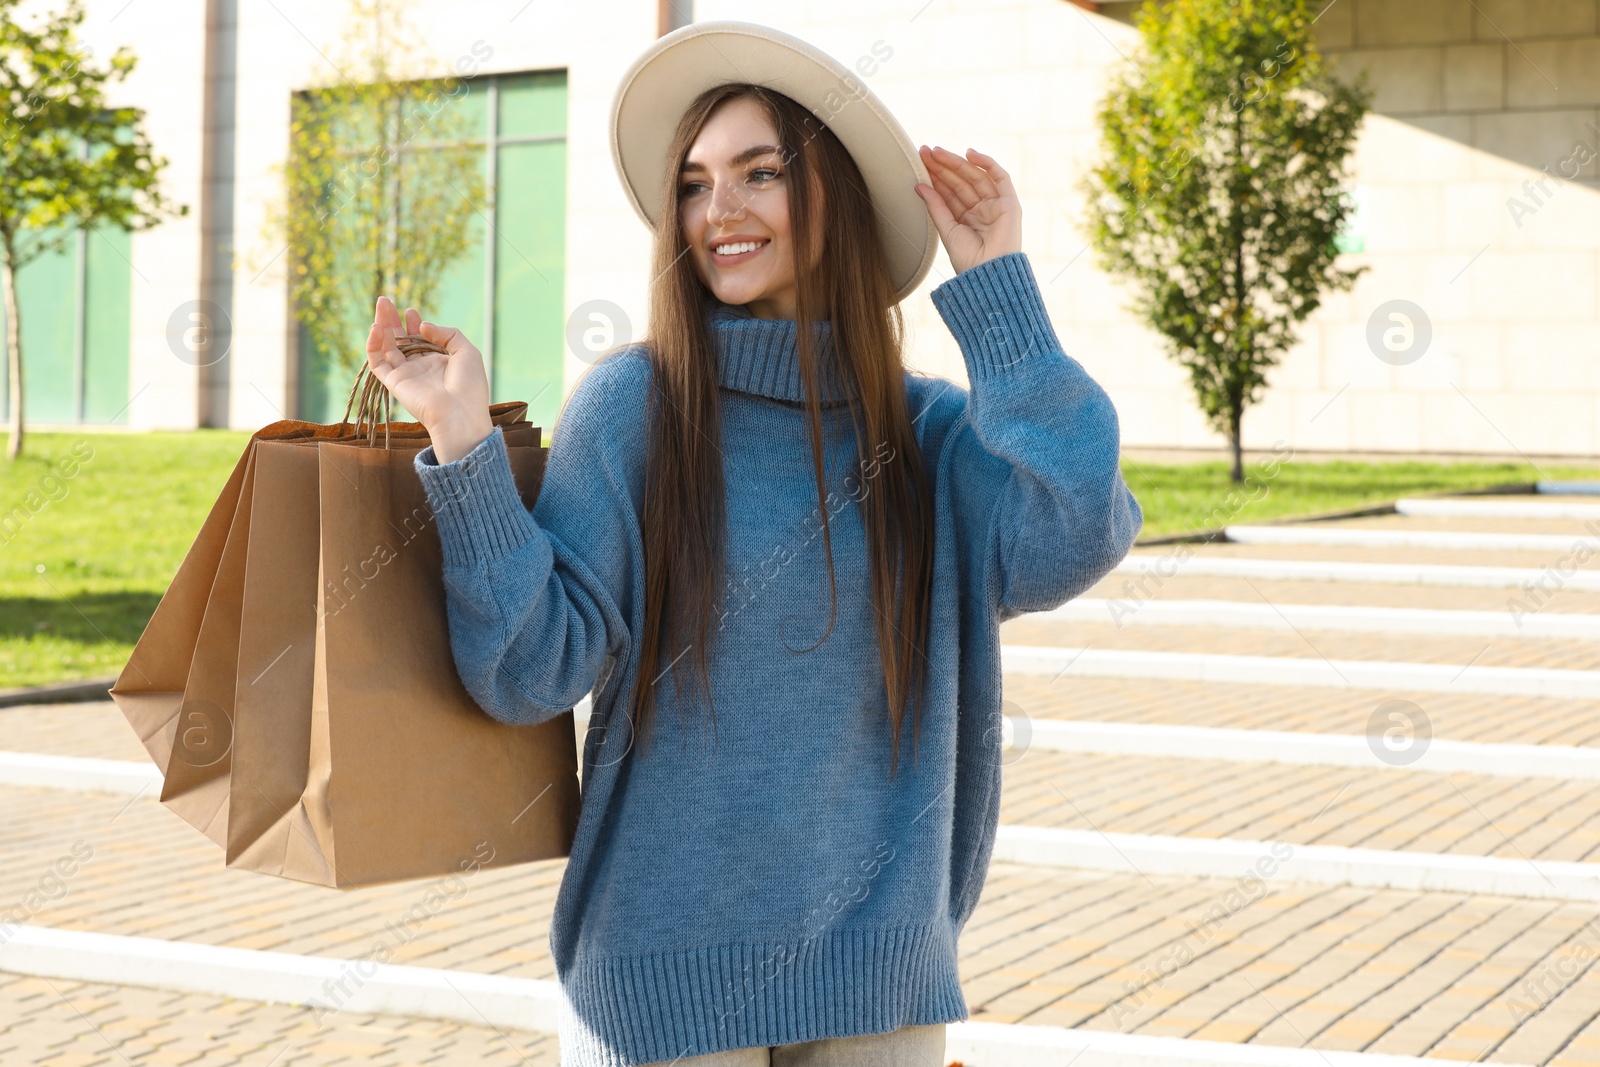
column 762, row 356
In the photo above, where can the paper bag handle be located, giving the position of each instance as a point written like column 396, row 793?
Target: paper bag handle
column 375, row 399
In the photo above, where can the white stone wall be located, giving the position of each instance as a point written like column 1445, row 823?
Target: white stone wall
column 1480, row 103
column 1463, row 117
column 1473, row 99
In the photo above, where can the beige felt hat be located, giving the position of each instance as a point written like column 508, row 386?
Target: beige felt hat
column 658, row 87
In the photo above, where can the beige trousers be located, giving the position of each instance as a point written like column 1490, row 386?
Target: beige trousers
column 909, row 1046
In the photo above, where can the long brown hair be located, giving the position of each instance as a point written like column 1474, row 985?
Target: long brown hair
column 684, row 517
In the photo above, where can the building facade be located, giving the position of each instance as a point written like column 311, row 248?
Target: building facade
column 1475, row 330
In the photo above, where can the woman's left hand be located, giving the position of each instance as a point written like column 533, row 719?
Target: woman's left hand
column 973, row 204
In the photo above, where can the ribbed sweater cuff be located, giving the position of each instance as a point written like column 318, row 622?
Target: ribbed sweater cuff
column 997, row 315
column 476, row 503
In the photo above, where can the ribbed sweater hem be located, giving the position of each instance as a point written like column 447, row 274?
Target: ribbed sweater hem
column 693, row 1002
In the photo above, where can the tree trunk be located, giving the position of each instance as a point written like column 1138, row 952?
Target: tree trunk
column 8, row 282
column 1235, row 418
column 1241, row 298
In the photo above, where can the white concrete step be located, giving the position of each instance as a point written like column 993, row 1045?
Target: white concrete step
column 1280, row 861
column 1357, row 619
column 1496, row 507
column 1285, row 670
column 80, row 774
column 1296, row 570
column 283, row 977
column 1435, row 755
column 1367, row 537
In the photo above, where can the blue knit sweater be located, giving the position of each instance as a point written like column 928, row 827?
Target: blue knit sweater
column 771, row 885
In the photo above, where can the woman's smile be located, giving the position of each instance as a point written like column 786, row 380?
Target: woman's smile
column 745, row 251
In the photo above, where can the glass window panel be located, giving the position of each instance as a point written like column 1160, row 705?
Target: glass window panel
column 534, row 105
column 47, row 293
column 317, row 381
column 530, row 328
column 106, row 340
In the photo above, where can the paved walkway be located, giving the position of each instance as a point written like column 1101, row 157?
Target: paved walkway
column 1183, row 586
column 61, row 1023
column 90, row 729
column 1515, row 818
column 1542, row 818
column 1436, row 974
column 1305, row 709
column 1064, row 948
column 1450, row 976
column 1546, row 652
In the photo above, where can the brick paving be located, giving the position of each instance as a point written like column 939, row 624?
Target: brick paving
column 92, row 728
column 1446, row 975
column 71, row 729
column 53, row 1022
column 1450, row 976
column 496, row 919
column 148, row 873
column 98, row 729
column 1196, row 957
column 1514, row 818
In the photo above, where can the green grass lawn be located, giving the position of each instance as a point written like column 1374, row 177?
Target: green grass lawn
column 82, row 571
column 1184, row 498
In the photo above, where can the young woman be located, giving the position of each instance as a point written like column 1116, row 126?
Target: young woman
column 818, row 547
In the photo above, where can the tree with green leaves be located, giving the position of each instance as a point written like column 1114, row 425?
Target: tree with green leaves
column 67, row 160
column 379, row 188
column 1221, row 189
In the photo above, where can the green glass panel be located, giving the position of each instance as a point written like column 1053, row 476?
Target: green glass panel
column 325, row 379
column 530, row 259
column 534, row 105
column 47, row 290
column 318, row 382
column 107, row 328
column 325, row 382
column 47, row 293
column 459, row 300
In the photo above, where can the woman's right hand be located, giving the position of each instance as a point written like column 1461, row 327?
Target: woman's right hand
column 448, row 394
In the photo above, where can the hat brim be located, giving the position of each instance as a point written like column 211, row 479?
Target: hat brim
column 661, row 83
